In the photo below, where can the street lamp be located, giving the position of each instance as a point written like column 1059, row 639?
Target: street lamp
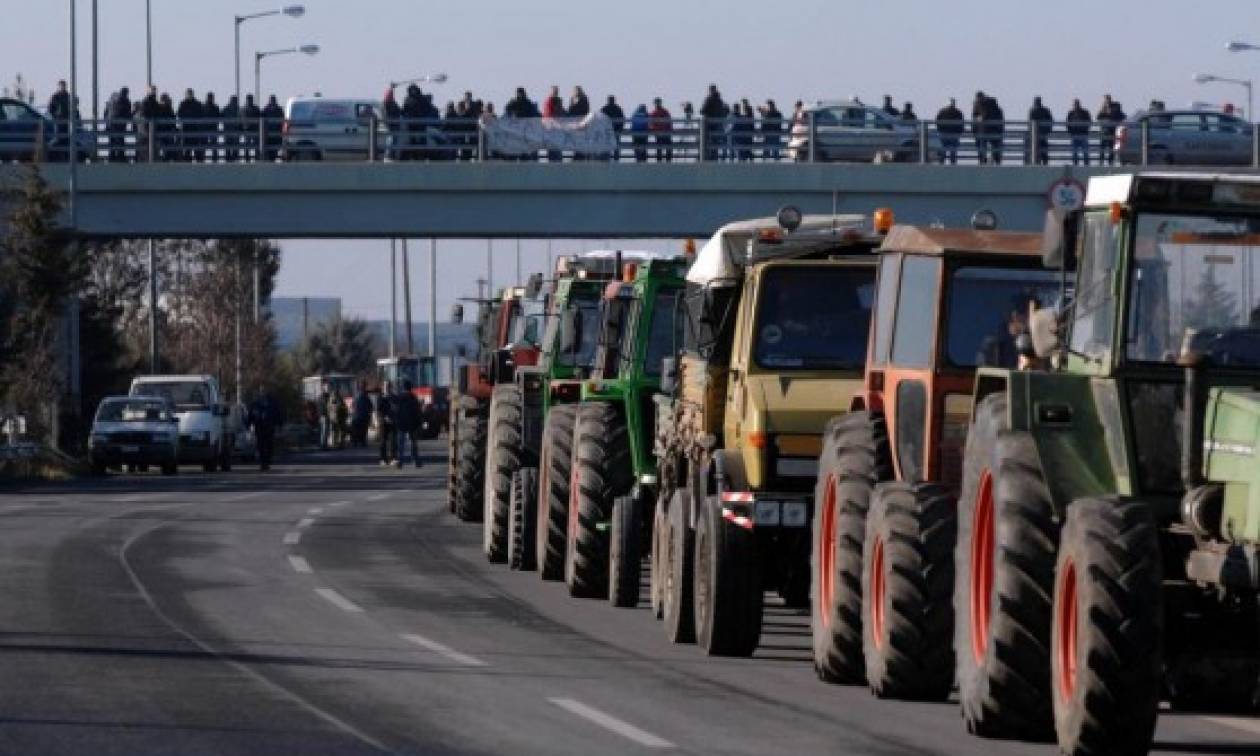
column 438, row 78
column 1241, row 46
column 292, row 11
column 258, row 58
column 1203, row 78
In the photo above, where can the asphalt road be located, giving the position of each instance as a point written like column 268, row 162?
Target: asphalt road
column 334, row 607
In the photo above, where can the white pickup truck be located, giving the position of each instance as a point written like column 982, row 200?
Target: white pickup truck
column 205, row 429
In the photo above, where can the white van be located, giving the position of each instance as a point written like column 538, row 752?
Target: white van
column 205, row 433
column 322, row 128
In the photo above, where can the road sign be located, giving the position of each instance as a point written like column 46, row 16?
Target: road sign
column 1066, row 194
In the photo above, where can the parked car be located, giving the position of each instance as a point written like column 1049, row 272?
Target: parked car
column 851, row 131
column 205, row 433
column 1186, row 137
column 318, row 128
column 23, row 129
column 136, row 431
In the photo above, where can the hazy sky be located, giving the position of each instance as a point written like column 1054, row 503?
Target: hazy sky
column 919, row 50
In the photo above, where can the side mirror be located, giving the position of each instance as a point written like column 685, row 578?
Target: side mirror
column 457, row 314
column 570, row 330
column 1043, row 330
column 533, row 286
column 1058, row 238
column 669, row 375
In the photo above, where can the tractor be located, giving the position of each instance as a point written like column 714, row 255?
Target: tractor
column 948, row 301
column 1108, row 548
column 776, row 315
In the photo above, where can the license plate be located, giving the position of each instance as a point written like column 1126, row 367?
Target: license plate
column 794, row 514
column 131, row 450
column 766, row 512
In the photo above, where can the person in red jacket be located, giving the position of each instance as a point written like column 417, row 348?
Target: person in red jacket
column 553, row 107
column 661, row 125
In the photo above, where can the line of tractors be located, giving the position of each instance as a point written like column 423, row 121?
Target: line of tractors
column 1022, row 467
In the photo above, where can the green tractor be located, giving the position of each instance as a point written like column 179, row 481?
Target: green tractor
column 613, row 472
column 1109, row 520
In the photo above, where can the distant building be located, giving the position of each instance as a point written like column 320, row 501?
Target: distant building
column 294, row 317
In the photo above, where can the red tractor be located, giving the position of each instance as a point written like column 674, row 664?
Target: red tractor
column 421, row 373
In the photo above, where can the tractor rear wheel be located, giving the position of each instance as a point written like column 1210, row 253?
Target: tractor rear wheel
column 625, row 553
column 676, row 589
column 452, row 457
column 503, row 459
column 471, row 470
column 1105, row 643
column 728, row 592
column 551, row 530
column 522, row 518
column 1004, row 581
column 854, row 458
column 908, row 584
column 656, row 560
column 601, row 472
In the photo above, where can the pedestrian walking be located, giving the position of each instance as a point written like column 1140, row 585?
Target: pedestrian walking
column 618, row 117
column 1078, row 124
column 1041, row 125
column 1107, row 125
column 713, row 111
column 265, row 415
column 771, row 130
column 213, row 122
column 949, row 126
column 639, row 126
column 661, row 124
column 360, row 416
column 273, row 119
column 385, row 424
column 407, row 425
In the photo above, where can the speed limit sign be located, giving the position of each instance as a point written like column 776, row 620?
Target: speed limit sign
column 1066, row 194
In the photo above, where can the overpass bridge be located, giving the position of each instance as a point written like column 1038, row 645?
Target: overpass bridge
column 524, row 200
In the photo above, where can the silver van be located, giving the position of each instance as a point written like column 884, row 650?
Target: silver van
column 1186, row 137
column 320, row 128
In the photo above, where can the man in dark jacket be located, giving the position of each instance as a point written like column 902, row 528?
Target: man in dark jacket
column 273, row 115
column 579, row 105
column 117, row 118
column 168, row 136
column 360, row 417
column 949, row 125
column 385, row 424
column 713, row 112
column 889, row 108
column 520, row 106
column 231, row 129
column 1040, row 118
column 412, row 113
column 190, row 115
column 59, row 108
column 771, row 130
column 618, row 118
column 145, row 115
column 979, row 128
column 265, row 416
column 995, row 123
column 210, row 111
column 407, row 419
column 1078, row 122
column 1107, row 125
column 252, row 115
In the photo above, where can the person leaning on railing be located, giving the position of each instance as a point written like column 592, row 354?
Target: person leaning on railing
column 117, row 115
column 231, row 116
column 771, row 130
column 949, row 127
column 1078, row 124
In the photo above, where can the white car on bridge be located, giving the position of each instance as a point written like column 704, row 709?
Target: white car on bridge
column 852, row 131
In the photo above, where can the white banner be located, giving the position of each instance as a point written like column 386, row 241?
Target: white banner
column 591, row 135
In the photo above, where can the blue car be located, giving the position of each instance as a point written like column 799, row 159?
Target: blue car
column 22, row 128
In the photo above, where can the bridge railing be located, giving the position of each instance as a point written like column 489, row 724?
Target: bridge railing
column 257, row 140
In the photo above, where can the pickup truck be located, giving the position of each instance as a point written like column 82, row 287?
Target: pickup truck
column 205, row 429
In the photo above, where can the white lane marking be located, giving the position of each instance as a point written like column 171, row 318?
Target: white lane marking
column 378, row 497
column 241, row 667
column 292, row 539
column 609, row 722
column 1237, row 723
column 337, row 600
column 243, row 497
column 438, row 648
column 315, row 511
column 339, row 504
column 305, row 522
column 300, row 565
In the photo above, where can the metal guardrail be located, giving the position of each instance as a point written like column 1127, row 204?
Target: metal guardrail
column 256, row 140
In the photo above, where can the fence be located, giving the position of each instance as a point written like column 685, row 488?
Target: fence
column 663, row 141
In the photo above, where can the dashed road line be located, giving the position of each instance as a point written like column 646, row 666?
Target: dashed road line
column 292, row 539
column 300, row 565
column 611, row 723
column 339, row 504
column 443, row 650
column 315, row 511
column 305, row 523
column 337, row 600
column 245, row 496
column 378, row 497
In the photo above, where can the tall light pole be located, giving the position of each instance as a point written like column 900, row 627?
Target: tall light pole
column 411, row 344
column 153, row 318
column 393, row 297
column 437, row 78
column 258, row 59
column 96, row 79
column 292, row 11
column 148, row 42
column 433, row 297
column 1203, row 78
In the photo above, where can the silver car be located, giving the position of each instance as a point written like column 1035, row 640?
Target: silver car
column 136, row 431
column 851, row 131
column 1186, row 137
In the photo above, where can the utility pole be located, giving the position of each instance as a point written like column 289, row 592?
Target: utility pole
column 411, row 346
column 433, row 297
column 393, row 297
column 153, row 314
column 96, row 98
column 490, row 267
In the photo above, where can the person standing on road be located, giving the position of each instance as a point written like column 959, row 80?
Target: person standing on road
column 618, row 118
column 265, row 416
column 1040, row 117
column 661, row 124
column 360, row 417
column 321, row 410
column 1107, row 126
column 949, row 125
column 1078, row 123
column 385, row 423
column 407, row 420
column 336, row 420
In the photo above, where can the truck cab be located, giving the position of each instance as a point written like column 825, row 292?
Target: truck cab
column 205, row 436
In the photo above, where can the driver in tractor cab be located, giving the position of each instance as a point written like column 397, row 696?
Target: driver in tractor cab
column 1003, row 347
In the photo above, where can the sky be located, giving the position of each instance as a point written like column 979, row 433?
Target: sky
column 922, row 51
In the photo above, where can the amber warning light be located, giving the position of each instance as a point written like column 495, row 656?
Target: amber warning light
column 883, row 220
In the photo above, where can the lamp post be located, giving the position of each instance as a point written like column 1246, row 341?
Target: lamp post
column 258, row 59
column 437, row 78
column 1203, row 78
column 292, row 11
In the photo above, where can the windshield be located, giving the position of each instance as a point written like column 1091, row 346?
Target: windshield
column 1194, row 290
column 583, row 356
column 665, row 335
column 185, row 395
column 814, row 317
column 130, row 410
column 988, row 310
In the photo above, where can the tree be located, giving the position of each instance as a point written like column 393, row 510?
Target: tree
column 343, row 345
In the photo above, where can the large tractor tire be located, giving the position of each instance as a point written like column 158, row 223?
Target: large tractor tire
column 503, row 459
column 470, row 473
column 601, row 472
column 1004, row 582
column 522, row 518
column 855, row 456
column 452, row 457
column 728, row 592
column 908, row 587
column 678, row 606
column 625, row 552
column 656, row 560
column 1106, row 634
column 551, row 530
